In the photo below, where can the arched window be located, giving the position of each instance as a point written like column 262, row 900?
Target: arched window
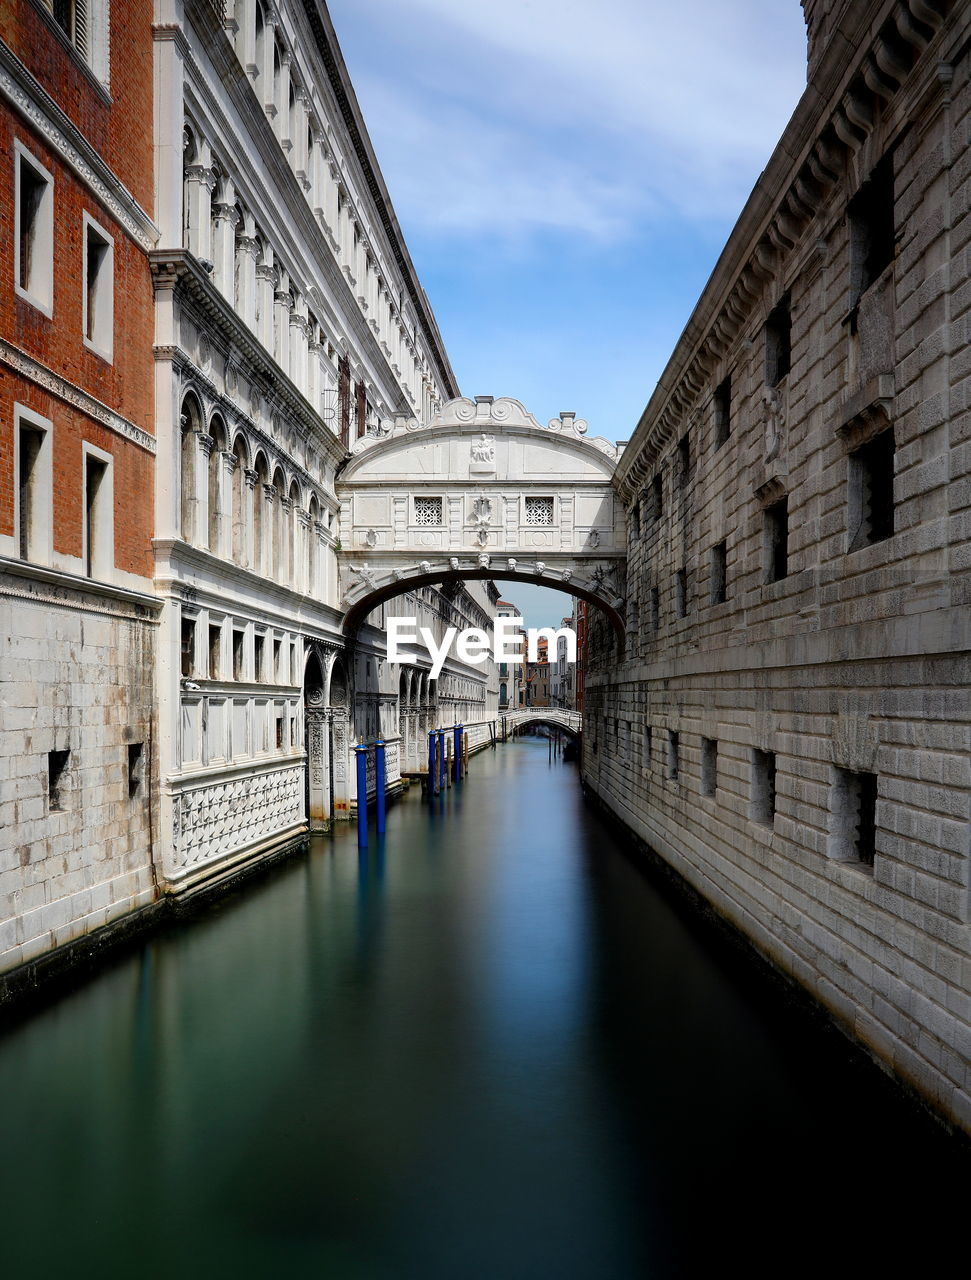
column 312, row 544
column 217, row 431
column 190, row 421
column 261, row 535
column 278, row 559
column 296, row 559
column 239, row 501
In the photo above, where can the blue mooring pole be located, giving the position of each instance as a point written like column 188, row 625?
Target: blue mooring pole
column 441, row 759
column 381, row 780
column 432, row 784
column 458, row 752
column 361, row 752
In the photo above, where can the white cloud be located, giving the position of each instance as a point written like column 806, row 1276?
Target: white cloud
column 531, row 115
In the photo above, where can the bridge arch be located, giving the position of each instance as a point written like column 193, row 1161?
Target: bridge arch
column 483, row 491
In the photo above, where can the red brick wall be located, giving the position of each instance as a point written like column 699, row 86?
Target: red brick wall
column 120, row 127
column 122, row 132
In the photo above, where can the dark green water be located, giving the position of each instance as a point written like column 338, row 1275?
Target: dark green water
column 490, row 1051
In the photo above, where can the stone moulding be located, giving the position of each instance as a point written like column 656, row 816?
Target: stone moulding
column 815, row 150
column 20, row 362
column 20, row 88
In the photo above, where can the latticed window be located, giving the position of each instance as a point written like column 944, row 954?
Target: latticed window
column 428, row 511
column 539, row 510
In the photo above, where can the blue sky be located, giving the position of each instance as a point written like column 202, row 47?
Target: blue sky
column 566, row 174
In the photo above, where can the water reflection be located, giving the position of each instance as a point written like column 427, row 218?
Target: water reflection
column 483, row 1047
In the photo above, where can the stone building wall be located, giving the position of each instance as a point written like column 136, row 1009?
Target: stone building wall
column 78, row 616
column 789, row 725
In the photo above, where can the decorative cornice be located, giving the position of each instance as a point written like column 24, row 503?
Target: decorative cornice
column 53, row 587
column 42, row 113
column 840, row 108
column 40, row 374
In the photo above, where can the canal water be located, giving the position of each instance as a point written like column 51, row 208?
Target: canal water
column 490, row 1049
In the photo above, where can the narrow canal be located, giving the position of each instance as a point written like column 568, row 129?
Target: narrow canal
column 490, row 1050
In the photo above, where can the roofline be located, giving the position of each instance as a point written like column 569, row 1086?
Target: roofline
column 340, row 81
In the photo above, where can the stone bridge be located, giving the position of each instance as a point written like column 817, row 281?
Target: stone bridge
column 570, row 722
column 483, row 491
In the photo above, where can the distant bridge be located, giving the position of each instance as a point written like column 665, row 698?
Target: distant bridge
column 570, row 722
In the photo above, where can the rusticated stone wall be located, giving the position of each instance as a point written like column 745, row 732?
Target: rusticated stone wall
column 762, row 693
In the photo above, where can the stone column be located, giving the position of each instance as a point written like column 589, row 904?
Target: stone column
column 318, row 766
column 266, row 278
column 225, row 222
column 298, row 343
column 285, row 527
column 269, row 551
column 250, row 550
column 282, row 305
column 247, row 255
column 227, row 468
column 301, row 552
column 199, row 184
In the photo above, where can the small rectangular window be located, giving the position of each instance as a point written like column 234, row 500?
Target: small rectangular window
column 709, row 766
column 428, row 511
column 634, row 520
column 872, row 229
column 278, row 722
column 259, row 643
column 776, row 540
column 277, row 651
column 657, row 497
column 29, row 485
column 98, row 536
column 778, row 343
column 674, row 762
column 134, row 768
column 681, row 592
column 539, row 511
column 57, row 779
column 719, row 573
column 648, row 744
column 871, row 506
column 723, row 411
column 854, row 818
column 763, row 787
column 98, row 306
column 238, row 639
column 655, row 607
column 215, row 643
column 684, row 459
column 34, row 232
column 188, row 647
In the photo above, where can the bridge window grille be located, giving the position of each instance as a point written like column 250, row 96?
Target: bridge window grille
column 539, row 511
column 428, row 512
